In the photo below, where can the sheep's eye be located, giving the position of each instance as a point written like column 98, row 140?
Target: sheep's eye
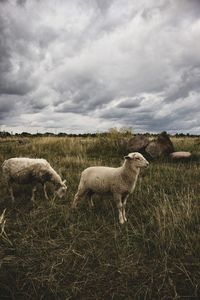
column 137, row 158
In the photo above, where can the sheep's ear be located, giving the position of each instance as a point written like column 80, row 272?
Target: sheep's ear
column 64, row 181
column 127, row 157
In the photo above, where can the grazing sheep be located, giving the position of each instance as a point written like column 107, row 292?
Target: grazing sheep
column 120, row 182
column 32, row 171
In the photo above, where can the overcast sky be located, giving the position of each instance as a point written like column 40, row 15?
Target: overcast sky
column 89, row 65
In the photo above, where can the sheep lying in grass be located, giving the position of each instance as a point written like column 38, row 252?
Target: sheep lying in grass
column 32, row 171
column 120, row 182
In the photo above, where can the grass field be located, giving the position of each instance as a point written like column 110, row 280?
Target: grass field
column 49, row 252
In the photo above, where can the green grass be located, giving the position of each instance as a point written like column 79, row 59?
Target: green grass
column 49, row 252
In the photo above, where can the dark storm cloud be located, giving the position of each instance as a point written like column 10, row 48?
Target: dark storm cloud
column 83, row 95
column 15, row 73
column 13, row 87
column 130, row 103
column 189, row 82
column 5, row 64
column 103, row 5
column 5, row 108
column 37, row 106
column 8, row 108
column 100, row 64
column 21, row 2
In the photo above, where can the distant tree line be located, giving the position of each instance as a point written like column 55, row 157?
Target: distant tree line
column 124, row 132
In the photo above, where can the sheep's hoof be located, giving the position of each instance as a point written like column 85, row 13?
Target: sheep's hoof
column 121, row 221
column 91, row 206
column 32, row 202
column 73, row 206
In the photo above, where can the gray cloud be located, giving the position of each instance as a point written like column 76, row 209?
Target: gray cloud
column 130, row 103
column 8, row 108
column 188, row 82
column 5, row 108
column 21, row 2
column 112, row 63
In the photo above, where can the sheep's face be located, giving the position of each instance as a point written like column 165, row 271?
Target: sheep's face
column 61, row 192
column 136, row 159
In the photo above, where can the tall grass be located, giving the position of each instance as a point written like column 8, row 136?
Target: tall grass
column 49, row 252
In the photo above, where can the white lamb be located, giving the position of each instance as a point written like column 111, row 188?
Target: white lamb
column 120, row 182
column 32, row 171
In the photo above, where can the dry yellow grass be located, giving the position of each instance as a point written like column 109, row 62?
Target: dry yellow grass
column 49, row 252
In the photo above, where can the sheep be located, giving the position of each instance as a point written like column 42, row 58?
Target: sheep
column 120, row 182
column 23, row 170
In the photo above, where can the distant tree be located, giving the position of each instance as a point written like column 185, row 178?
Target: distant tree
column 25, row 134
column 4, row 134
column 62, row 134
column 48, row 134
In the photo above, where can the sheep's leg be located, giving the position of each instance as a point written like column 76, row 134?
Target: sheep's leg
column 33, row 193
column 45, row 191
column 118, row 201
column 76, row 199
column 11, row 193
column 91, row 203
column 124, row 207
